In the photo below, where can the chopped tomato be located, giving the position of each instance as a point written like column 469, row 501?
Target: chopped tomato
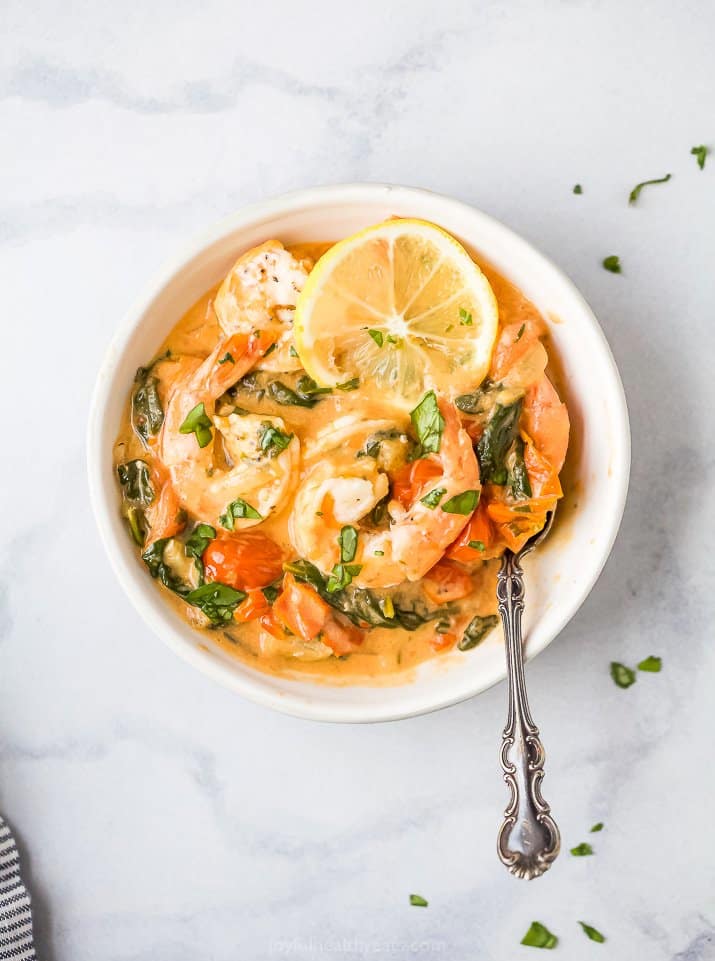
column 414, row 479
column 342, row 636
column 479, row 531
column 253, row 607
column 244, row 560
column 443, row 642
column 300, row 609
column 446, row 582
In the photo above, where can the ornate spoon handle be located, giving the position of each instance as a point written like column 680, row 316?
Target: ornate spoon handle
column 528, row 839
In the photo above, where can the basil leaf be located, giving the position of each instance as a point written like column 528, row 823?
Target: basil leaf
column 539, row 936
column 622, row 676
column 217, row 601
column 700, row 153
column 612, row 263
column 238, row 509
column 417, row 901
column 283, row 395
column 463, row 503
column 347, row 539
column 592, row 933
column 428, row 424
column 227, row 359
column 518, row 476
column 578, row 189
column 135, row 481
column 306, row 387
column 197, row 422
column 147, row 413
column 651, row 664
column 494, row 444
column 153, row 557
column 377, row 337
column 196, row 544
column 271, row 440
column 597, row 827
column 582, row 850
column 477, row 545
column 476, row 631
column 352, row 384
column 432, row 499
column 635, row 193
column 341, row 576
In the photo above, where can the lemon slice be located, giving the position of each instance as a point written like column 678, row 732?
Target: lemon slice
column 400, row 305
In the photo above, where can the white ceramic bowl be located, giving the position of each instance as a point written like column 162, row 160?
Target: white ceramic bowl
column 560, row 574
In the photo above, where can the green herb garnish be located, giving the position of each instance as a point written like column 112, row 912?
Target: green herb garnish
column 477, row 545
column 651, row 664
column 347, row 539
column 352, row 384
column 196, row 544
column 341, row 576
column 700, row 153
column 271, row 440
column 197, row 422
column 582, row 850
column 417, row 901
column 521, row 333
column 432, row 499
column 494, row 444
column 428, row 424
column 622, row 676
column 592, row 933
column 238, row 509
column 463, row 503
column 465, row 318
column 217, row 601
column 147, row 412
column 597, row 827
column 518, row 476
column 476, row 631
column 578, row 189
column 539, row 936
column 635, row 193
column 153, row 557
column 612, row 263
column 377, row 337
column 292, row 352
column 227, row 359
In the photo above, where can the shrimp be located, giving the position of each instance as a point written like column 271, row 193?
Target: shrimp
column 249, row 462
column 546, row 421
column 367, row 482
column 260, row 293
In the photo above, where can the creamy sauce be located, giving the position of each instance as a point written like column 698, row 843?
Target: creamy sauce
column 386, row 655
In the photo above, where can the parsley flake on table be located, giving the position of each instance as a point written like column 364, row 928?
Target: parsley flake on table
column 612, row 263
column 539, row 936
column 592, row 932
column 700, row 153
column 651, row 664
column 622, row 676
column 635, row 193
column 578, row 189
column 417, row 901
column 582, row 850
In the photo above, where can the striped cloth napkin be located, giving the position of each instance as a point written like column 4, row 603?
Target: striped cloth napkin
column 16, row 942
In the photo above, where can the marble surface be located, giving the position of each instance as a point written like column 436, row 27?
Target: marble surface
column 160, row 816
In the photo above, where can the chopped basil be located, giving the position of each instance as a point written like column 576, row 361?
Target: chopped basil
column 135, row 481
column 539, row 936
column 377, row 337
column 241, row 411
column 227, row 359
column 597, row 827
column 612, row 263
column 197, row 422
column 465, row 318
column 147, row 412
column 432, row 499
column 651, row 664
column 217, row 601
column 306, row 392
column 271, row 440
column 292, row 351
column 635, row 193
column 476, row 631
column 270, row 349
column 494, row 444
column 592, row 932
column 520, row 333
column 379, row 553
column 272, row 591
column 417, row 901
column 700, row 153
column 347, row 539
column 428, row 423
column 351, row 384
column 622, row 676
column 196, row 544
column 463, row 503
column 578, row 189
column 477, row 545
column 341, row 576
column 238, row 509
column 582, row 850
column 392, row 340
column 518, row 476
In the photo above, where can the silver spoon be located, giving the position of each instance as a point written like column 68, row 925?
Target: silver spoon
column 528, row 840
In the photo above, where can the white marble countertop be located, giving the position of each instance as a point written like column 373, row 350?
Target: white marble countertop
column 163, row 818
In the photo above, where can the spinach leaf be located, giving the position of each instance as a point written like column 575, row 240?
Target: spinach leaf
column 237, row 509
column 428, row 424
column 147, row 413
column 476, row 631
column 137, row 525
column 498, row 436
column 272, row 591
column 217, row 601
column 136, row 485
column 518, row 476
column 471, row 403
column 196, row 544
column 153, row 557
column 198, row 422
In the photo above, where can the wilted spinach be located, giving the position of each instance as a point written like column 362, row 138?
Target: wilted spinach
column 147, row 412
column 136, row 483
column 476, row 631
column 499, row 434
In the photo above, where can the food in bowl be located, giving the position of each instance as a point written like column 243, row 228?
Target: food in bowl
column 331, row 450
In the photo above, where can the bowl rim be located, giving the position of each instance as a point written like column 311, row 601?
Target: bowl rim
column 350, row 193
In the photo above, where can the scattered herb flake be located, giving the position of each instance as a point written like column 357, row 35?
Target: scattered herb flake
column 379, row 553
column 612, row 263
column 582, row 850
column 635, row 193
column 238, row 509
column 352, row 384
column 651, row 664
column 217, row 601
column 521, row 333
column 592, row 932
column 348, row 539
column 292, row 351
column 271, row 440
column 197, row 422
column 539, row 936
column 476, row 631
column 196, row 544
column 417, row 901
column 465, row 318
column 700, row 153
column 578, row 189
column 377, row 337
column 476, row 545
column 227, row 359
column 622, row 676
column 597, row 827
column 341, row 576
column 463, row 503
column 432, row 499
column 428, row 423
